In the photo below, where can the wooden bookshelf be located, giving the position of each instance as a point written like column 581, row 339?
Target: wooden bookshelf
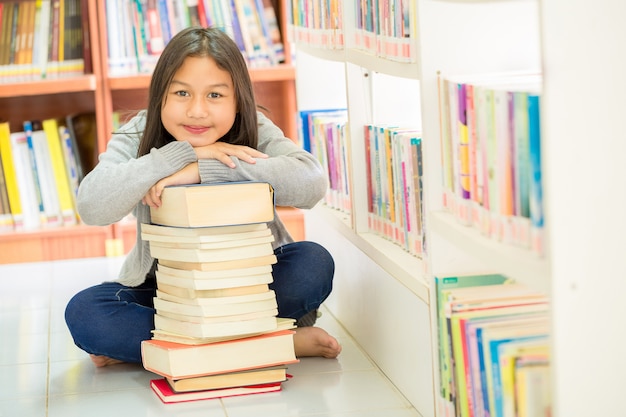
column 103, row 94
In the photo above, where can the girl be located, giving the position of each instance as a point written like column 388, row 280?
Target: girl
column 201, row 126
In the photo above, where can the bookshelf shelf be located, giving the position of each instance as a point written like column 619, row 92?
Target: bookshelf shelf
column 80, row 241
column 60, row 86
column 382, row 65
column 520, row 264
column 407, row 269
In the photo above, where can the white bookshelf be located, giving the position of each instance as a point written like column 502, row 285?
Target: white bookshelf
column 581, row 49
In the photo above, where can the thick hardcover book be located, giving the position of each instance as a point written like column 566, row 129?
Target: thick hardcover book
column 177, row 360
column 218, row 204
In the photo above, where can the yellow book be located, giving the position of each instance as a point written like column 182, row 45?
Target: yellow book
column 10, row 176
column 66, row 201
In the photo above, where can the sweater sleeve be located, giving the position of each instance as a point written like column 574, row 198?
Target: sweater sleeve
column 120, row 180
column 296, row 176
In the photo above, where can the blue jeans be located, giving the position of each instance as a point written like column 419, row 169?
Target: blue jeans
column 111, row 319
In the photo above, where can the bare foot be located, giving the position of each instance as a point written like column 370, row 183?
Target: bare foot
column 102, row 361
column 315, row 341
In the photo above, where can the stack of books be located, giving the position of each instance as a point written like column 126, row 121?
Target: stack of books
column 217, row 331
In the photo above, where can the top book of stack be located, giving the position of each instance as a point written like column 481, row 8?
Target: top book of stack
column 217, row 204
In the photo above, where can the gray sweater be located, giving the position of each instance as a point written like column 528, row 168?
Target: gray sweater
column 115, row 187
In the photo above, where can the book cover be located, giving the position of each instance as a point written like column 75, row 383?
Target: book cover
column 176, row 360
column 164, row 391
column 61, row 180
column 83, row 134
column 25, row 181
column 217, row 204
column 10, row 176
column 443, row 283
column 534, row 140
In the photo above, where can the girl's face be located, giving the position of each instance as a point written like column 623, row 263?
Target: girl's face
column 200, row 105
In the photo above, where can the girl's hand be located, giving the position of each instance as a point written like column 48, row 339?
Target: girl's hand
column 187, row 175
column 222, row 152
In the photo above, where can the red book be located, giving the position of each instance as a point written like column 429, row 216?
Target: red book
column 163, row 390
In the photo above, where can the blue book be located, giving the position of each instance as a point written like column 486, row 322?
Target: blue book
column 534, row 139
column 304, row 124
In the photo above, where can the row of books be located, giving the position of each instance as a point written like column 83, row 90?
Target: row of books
column 137, row 31
column 384, row 28
column 493, row 347
column 323, row 134
column 41, row 167
column 217, row 331
column 43, row 39
column 393, row 161
column 394, row 185
column 491, row 144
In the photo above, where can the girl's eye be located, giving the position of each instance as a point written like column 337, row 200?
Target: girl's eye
column 215, row 95
column 181, row 93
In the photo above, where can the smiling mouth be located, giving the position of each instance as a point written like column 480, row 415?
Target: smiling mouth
column 196, row 129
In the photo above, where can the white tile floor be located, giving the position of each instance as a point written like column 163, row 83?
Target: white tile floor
column 44, row 375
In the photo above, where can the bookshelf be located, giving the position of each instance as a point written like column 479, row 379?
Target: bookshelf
column 103, row 94
column 582, row 233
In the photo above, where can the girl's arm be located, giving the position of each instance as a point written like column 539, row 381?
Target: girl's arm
column 120, row 180
column 296, row 176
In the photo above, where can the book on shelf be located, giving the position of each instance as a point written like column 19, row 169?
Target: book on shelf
column 10, row 177
column 6, row 218
column 468, row 310
column 60, row 179
column 25, row 181
column 267, row 375
column 217, row 204
column 70, row 156
column 536, row 187
column 43, row 176
column 532, row 387
column 164, row 391
column 485, row 130
column 445, row 283
column 177, row 360
column 137, row 32
column 83, row 137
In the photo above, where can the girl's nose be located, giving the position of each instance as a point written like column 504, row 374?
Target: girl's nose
column 198, row 108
